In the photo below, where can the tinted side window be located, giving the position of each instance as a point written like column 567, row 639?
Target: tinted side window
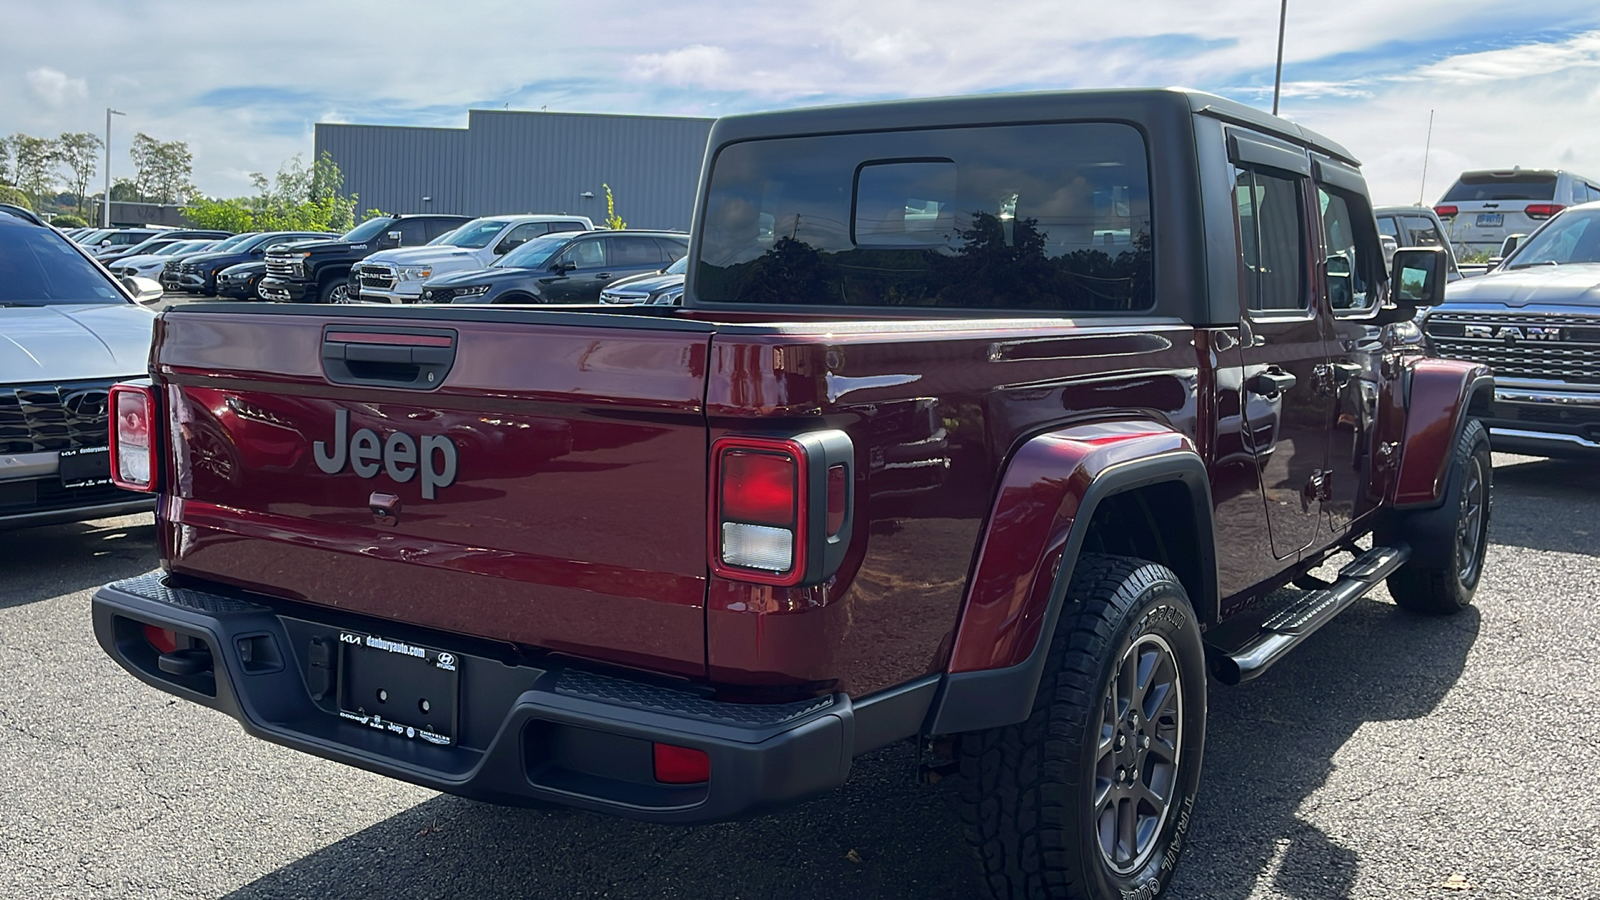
column 1474, row 188
column 553, row 227
column 1350, row 270
column 585, row 254
column 1423, row 232
column 412, row 232
column 432, row 228
column 1023, row 217
column 633, row 251
column 673, row 250
column 1271, row 241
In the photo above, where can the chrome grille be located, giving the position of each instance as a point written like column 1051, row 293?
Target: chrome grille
column 39, row 417
column 282, row 268
column 379, row 277
column 1574, row 358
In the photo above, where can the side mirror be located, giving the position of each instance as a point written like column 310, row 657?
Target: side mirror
column 393, row 238
column 1511, row 243
column 562, row 268
column 143, row 290
column 508, row 245
column 106, row 242
column 1419, row 276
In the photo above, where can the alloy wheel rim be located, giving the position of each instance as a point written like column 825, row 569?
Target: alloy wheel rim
column 1138, row 754
column 340, row 294
column 1469, row 525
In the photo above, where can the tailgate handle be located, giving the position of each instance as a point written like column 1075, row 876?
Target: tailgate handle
column 408, row 358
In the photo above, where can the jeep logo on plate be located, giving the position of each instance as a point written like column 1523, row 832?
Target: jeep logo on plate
column 398, row 455
column 1512, row 333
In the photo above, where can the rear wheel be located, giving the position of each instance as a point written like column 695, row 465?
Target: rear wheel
column 1090, row 797
column 1448, row 543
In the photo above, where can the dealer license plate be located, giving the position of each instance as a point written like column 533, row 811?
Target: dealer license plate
column 394, row 686
column 85, row 467
column 1491, row 220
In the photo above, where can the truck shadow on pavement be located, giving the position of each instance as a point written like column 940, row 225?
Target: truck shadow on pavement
column 54, row 560
column 1271, row 747
column 1532, row 494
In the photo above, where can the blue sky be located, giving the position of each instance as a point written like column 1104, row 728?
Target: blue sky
column 1508, row 84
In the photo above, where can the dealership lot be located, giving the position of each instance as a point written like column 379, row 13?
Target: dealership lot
column 1394, row 756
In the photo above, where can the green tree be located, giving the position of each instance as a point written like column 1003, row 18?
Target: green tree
column 296, row 199
column 162, row 169
column 78, row 151
column 14, row 197
column 613, row 221
column 124, row 190
column 68, row 220
column 5, row 162
column 35, row 164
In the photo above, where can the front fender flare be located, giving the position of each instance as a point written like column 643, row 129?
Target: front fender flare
column 1041, row 513
column 1438, row 393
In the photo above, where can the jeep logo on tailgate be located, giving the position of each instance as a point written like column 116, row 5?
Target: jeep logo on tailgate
column 398, row 455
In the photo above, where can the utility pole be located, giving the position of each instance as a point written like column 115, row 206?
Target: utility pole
column 1277, row 80
column 106, row 207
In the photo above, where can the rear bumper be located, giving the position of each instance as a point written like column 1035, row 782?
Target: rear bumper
column 104, row 510
column 526, row 735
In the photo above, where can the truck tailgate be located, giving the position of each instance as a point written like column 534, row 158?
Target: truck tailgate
column 550, row 490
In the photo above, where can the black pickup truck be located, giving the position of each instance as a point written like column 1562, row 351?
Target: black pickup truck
column 319, row 272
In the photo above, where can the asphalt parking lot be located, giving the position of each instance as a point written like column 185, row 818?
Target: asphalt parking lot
column 1392, row 757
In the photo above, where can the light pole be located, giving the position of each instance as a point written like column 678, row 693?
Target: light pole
column 1277, row 80
column 106, row 208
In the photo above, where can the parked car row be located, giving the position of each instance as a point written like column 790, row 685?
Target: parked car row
column 1484, row 207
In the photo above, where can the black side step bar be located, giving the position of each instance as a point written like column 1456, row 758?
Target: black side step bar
column 1296, row 622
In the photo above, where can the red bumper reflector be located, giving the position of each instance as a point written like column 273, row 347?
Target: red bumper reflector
column 164, row 640
column 681, row 765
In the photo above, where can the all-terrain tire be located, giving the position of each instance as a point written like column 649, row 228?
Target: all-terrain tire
column 1033, row 795
column 1448, row 543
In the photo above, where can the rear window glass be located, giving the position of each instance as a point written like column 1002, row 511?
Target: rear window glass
column 1472, row 188
column 39, row 268
column 1022, row 217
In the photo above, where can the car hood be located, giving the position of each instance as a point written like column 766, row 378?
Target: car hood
column 201, row 259
column 1574, row 284
column 492, row 275
column 244, row 268
column 70, row 343
column 334, row 246
column 420, row 256
column 648, row 283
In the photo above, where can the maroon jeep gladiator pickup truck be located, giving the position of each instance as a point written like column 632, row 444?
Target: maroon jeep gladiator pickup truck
column 999, row 424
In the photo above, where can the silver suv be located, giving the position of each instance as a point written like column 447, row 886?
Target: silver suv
column 1486, row 206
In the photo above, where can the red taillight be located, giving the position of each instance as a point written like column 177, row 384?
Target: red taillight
column 1445, row 212
column 133, row 455
column 838, row 496
column 760, row 488
column 681, row 765
column 1542, row 210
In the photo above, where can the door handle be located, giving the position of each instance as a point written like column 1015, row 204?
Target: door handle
column 1270, row 383
column 602, row 275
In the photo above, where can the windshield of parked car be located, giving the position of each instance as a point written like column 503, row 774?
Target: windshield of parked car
column 475, row 234
column 1572, row 237
column 183, row 247
column 93, row 237
column 366, row 231
column 1473, row 188
column 679, row 267
column 236, row 240
column 41, row 268
column 534, row 253
column 443, row 238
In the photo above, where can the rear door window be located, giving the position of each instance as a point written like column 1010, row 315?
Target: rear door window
column 1019, row 217
column 673, row 250
column 632, row 251
column 1271, row 241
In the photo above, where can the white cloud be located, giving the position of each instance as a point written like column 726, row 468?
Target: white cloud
column 699, row 65
column 54, row 87
column 1528, row 60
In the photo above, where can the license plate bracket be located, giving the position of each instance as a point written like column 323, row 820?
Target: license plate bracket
column 85, row 467
column 1491, row 220
column 410, row 691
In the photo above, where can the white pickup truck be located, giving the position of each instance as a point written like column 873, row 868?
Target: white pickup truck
column 396, row 276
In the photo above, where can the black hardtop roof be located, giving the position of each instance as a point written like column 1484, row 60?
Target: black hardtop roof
column 998, row 109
